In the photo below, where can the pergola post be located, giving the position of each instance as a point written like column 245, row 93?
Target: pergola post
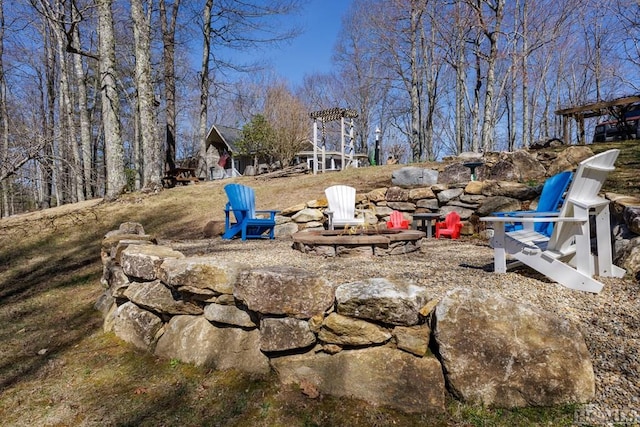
column 342, row 143
column 315, row 146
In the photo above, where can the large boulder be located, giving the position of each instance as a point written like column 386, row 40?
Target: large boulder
column 413, row 339
column 347, row 331
column 200, row 273
column 192, row 339
column 281, row 334
column 447, row 195
column 412, row 176
column 416, row 194
column 134, row 325
column 286, row 229
column 382, row 300
column 504, row 170
column 143, row 261
column 397, row 194
column 465, row 213
column 115, row 280
column 111, row 241
column 632, row 261
column 284, row 290
column 529, row 168
column 568, row 159
column 629, row 255
column 156, row 297
column 377, row 195
column 514, row 190
column 308, row 215
column 379, row 375
column 458, row 172
column 500, row 353
column 227, row 314
column 131, row 228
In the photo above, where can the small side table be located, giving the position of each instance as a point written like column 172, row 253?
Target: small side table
column 425, row 219
column 472, row 166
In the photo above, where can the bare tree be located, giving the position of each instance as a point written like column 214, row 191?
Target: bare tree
column 114, row 151
column 70, row 179
column 151, row 146
column 168, row 26
column 628, row 14
column 4, row 121
column 204, row 88
column 399, row 30
column 363, row 81
column 83, row 109
column 489, row 15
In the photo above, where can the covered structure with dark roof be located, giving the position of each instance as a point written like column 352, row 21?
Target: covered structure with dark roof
column 615, row 107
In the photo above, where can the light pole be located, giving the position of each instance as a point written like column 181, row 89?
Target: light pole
column 377, row 150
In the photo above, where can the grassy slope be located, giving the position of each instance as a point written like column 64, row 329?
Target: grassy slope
column 57, row 367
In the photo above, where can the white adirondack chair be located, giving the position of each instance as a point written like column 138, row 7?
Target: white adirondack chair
column 342, row 207
column 566, row 256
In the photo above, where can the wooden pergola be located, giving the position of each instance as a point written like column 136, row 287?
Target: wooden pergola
column 595, row 109
column 330, row 115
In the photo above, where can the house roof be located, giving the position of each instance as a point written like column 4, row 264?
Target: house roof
column 224, row 138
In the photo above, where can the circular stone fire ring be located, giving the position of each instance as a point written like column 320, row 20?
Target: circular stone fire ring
column 332, row 243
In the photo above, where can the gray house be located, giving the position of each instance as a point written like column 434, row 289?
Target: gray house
column 223, row 157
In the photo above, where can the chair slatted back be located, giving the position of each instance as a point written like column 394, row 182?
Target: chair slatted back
column 451, row 220
column 550, row 199
column 582, row 194
column 242, row 200
column 342, row 201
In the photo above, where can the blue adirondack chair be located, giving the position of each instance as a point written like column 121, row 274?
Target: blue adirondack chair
column 550, row 201
column 242, row 203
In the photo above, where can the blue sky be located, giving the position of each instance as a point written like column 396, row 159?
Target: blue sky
column 311, row 51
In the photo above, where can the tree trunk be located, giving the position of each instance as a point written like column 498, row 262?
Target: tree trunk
column 475, row 109
column 83, row 112
column 48, row 119
column 526, row 128
column 432, row 72
column 168, row 60
column 204, row 89
column 68, row 140
column 4, row 121
column 461, row 86
column 116, row 180
column 415, row 139
column 488, row 120
column 151, row 147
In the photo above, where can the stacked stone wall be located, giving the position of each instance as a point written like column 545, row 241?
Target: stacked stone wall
column 376, row 333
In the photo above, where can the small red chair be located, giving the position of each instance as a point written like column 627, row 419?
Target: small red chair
column 450, row 227
column 397, row 221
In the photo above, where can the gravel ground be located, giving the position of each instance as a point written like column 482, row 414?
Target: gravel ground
column 609, row 321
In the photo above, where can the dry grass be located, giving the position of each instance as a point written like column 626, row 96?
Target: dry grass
column 58, row 368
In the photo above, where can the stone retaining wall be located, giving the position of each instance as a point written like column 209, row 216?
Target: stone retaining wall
column 370, row 340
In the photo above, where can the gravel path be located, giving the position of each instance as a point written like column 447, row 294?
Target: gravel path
column 609, row 321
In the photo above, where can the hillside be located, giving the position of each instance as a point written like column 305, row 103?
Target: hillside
column 57, row 366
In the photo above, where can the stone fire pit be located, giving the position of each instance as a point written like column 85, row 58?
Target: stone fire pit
column 363, row 242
